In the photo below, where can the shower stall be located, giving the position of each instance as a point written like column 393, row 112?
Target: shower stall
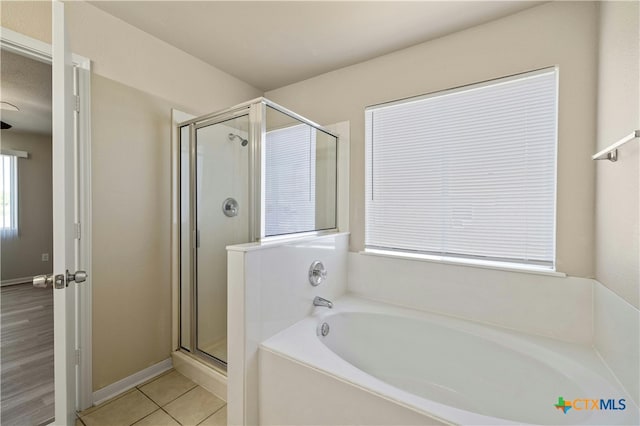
column 250, row 173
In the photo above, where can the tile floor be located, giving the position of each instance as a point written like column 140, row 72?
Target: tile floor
column 169, row 399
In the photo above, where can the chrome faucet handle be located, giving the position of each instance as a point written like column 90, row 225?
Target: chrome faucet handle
column 317, row 273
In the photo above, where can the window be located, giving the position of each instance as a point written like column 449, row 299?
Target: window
column 290, row 182
column 467, row 173
column 9, row 202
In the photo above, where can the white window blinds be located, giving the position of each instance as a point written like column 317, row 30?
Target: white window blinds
column 9, row 194
column 466, row 173
column 290, row 180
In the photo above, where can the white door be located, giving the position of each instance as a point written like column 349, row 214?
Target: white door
column 64, row 218
column 68, row 154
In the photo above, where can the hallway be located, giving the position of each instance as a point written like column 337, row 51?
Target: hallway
column 27, row 355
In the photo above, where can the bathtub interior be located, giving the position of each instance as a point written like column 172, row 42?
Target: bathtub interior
column 488, row 375
column 453, row 369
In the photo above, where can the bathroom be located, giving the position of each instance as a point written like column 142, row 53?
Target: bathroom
column 588, row 298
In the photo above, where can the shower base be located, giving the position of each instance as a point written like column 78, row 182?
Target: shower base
column 209, row 377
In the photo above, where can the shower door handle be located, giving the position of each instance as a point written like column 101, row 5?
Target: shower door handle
column 196, row 239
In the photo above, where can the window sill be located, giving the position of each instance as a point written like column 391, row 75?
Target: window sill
column 472, row 263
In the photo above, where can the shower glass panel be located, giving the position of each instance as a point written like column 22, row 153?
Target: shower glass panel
column 246, row 174
column 299, row 175
column 222, row 197
column 214, row 213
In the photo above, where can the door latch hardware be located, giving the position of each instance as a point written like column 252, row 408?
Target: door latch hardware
column 42, row 281
column 59, row 282
column 78, row 277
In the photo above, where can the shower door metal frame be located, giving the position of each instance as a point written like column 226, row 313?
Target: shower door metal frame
column 259, row 183
column 256, row 108
column 194, row 125
column 256, row 111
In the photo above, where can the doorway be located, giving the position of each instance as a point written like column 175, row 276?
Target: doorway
column 79, row 358
column 26, row 240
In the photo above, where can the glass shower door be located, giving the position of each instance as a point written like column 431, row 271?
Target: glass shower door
column 233, row 191
column 220, row 200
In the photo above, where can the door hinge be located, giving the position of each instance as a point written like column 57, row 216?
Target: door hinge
column 77, row 106
column 78, row 231
column 77, row 356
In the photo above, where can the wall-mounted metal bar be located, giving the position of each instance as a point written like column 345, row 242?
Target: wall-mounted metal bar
column 611, row 152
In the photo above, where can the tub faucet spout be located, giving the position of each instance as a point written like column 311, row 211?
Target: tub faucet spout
column 319, row 301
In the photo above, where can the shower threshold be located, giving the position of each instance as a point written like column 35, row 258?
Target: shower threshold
column 209, row 376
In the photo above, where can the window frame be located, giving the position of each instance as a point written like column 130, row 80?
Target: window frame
column 462, row 259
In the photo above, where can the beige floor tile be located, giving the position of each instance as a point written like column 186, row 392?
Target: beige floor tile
column 156, row 377
column 219, row 418
column 79, row 422
column 97, row 407
column 167, row 388
column 194, row 406
column 157, row 418
column 126, row 410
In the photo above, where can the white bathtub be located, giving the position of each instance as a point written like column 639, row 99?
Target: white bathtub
column 387, row 365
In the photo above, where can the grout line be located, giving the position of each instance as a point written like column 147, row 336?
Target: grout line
column 213, row 414
column 182, row 394
column 153, row 379
column 104, row 404
column 154, row 411
column 167, row 413
column 169, row 402
column 152, row 401
column 78, row 418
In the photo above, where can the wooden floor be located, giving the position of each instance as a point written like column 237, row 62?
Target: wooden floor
column 26, row 360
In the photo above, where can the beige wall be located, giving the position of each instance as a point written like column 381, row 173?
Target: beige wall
column 558, row 33
column 136, row 80
column 22, row 256
column 131, row 222
column 618, row 184
column 130, row 56
column 32, row 18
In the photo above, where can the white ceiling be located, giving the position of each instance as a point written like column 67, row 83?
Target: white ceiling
column 26, row 83
column 272, row 44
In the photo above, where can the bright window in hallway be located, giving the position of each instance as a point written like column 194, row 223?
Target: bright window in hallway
column 9, row 201
column 467, row 174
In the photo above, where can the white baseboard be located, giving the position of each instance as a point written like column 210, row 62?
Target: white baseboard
column 115, row 389
column 14, row 281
